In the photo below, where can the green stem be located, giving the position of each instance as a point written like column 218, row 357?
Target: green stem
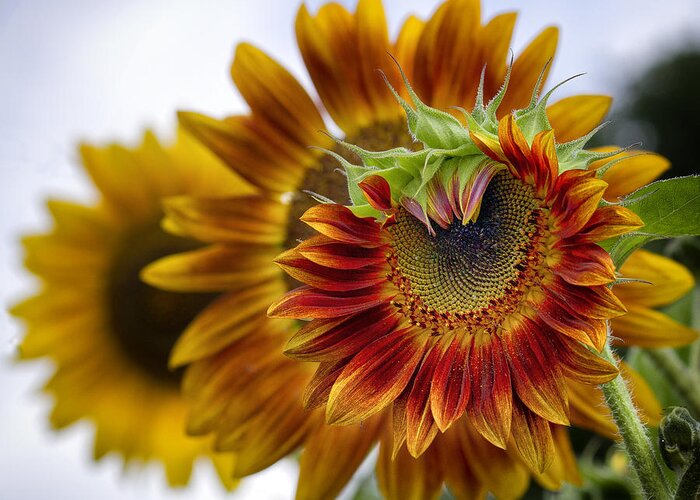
column 635, row 439
column 683, row 379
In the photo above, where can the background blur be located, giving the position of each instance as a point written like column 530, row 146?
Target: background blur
column 102, row 71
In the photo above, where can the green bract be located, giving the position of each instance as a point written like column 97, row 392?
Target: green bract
column 445, row 146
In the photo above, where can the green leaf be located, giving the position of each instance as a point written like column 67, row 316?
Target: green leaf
column 669, row 208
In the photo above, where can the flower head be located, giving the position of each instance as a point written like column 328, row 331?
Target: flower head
column 485, row 288
column 107, row 332
column 242, row 388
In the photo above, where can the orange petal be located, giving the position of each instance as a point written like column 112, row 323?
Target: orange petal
column 332, row 455
column 404, row 477
column 532, row 438
column 319, row 387
column 581, row 364
column 225, row 320
column 275, row 95
column 243, row 143
column 608, row 222
column 245, row 219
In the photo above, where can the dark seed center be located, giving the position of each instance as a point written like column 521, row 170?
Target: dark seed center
column 474, row 266
column 147, row 321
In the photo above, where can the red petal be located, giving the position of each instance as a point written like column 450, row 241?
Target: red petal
column 326, row 278
column 339, row 223
column 377, row 191
column 374, row 378
column 578, row 194
column 319, row 387
column 333, row 339
column 597, row 302
column 536, row 375
column 556, row 313
column 516, row 149
column 579, row 363
column 327, row 252
column 308, row 303
column 585, row 264
column 491, row 402
column 449, row 392
column 421, row 428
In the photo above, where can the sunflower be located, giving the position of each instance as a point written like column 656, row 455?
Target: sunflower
column 241, row 388
column 108, row 334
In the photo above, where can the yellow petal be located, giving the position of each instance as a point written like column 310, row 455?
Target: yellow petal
column 243, row 219
column 275, row 95
column 638, row 169
column 496, row 42
column 642, row 395
column 575, row 116
column 213, row 269
column 648, row 328
column 225, row 320
column 669, row 280
column 406, row 43
column 527, row 69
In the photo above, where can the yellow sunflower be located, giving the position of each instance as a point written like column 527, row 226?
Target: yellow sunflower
column 108, row 334
column 241, row 388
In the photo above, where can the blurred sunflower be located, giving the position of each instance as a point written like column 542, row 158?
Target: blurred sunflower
column 241, row 387
column 108, row 334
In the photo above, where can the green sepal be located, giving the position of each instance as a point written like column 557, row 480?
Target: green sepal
column 366, row 210
column 668, row 208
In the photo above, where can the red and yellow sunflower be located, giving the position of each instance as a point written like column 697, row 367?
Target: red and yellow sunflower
column 252, row 397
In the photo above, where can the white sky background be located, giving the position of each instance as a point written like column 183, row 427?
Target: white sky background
column 102, row 70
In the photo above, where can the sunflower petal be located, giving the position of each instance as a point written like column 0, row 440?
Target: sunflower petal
column 491, row 402
column 669, row 280
column 647, row 328
column 532, row 438
column 575, row 116
column 449, row 392
column 385, row 367
column 332, row 455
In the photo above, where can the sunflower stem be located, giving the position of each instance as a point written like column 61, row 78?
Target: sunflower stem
column 635, row 439
column 684, row 380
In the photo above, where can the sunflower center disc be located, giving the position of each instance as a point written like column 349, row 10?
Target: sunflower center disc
column 475, row 272
column 147, row 321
